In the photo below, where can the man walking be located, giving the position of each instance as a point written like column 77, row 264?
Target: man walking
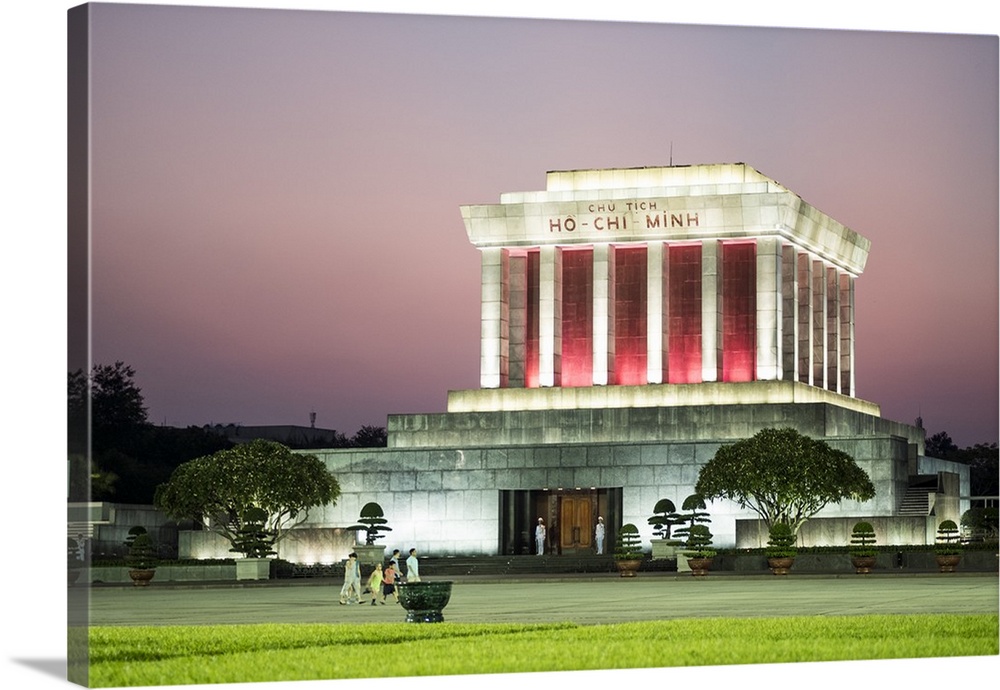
column 412, row 569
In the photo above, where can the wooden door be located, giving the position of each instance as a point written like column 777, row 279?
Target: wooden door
column 576, row 518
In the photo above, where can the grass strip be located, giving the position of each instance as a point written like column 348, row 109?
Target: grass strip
column 176, row 655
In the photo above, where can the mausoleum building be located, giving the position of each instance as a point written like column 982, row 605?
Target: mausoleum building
column 633, row 321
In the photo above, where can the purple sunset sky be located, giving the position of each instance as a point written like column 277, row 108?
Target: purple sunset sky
column 893, row 134
column 276, row 193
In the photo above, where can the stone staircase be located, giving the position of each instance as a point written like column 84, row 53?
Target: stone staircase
column 917, row 501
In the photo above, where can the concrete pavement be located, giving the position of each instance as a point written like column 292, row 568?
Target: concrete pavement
column 588, row 599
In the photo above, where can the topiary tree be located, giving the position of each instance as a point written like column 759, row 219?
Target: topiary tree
column 694, row 514
column 780, row 542
column 699, row 542
column 222, row 490
column 862, row 540
column 947, row 542
column 628, row 546
column 783, row 476
column 372, row 521
column 141, row 553
column 664, row 518
column 253, row 539
column 133, row 532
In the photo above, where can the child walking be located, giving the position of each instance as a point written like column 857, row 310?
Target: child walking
column 375, row 582
column 389, row 583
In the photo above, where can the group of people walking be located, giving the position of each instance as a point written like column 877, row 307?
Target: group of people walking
column 382, row 581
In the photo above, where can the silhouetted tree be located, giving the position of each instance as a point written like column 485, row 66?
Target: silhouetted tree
column 129, row 456
column 983, row 468
column 939, row 445
column 117, row 409
column 370, row 437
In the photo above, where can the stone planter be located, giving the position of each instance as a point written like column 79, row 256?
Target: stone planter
column 780, row 566
column 628, row 567
column 664, row 549
column 141, row 577
column 370, row 554
column 253, row 569
column 863, row 564
column 699, row 566
column 423, row 600
column 947, row 563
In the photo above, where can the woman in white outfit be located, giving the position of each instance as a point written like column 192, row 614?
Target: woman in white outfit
column 350, row 593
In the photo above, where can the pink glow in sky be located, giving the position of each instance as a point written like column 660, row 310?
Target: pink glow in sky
column 276, row 193
column 892, row 134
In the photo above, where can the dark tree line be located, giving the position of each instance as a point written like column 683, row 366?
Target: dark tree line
column 981, row 459
column 365, row 437
column 130, row 457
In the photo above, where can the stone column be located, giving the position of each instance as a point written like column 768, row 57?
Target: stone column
column 789, row 314
column 832, row 330
column 769, row 309
column 493, row 333
column 550, row 317
column 656, row 321
column 805, row 306
column 604, row 314
column 518, row 320
column 711, row 310
column 819, row 324
column 847, row 334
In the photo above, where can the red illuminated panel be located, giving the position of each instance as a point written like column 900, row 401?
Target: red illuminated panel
column 531, row 318
column 684, row 314
column 630, row 316
column 577, row 317
column 739, row 309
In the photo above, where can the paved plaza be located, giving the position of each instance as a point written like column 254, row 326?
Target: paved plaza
column 584, row 599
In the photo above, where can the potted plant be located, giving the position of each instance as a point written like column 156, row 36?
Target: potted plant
column 141, row 560
column 694, row 513
column 628, row 553
column 663, row 519
column 255, row 542
column 862, row 549
column 947, row 547
column 372, row 520
column 780, row 551
column 698, row 549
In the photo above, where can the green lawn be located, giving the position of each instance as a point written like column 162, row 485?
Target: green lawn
column 173, row 655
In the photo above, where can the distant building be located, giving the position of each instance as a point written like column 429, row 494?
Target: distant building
column 289, row 434
column 633, row 321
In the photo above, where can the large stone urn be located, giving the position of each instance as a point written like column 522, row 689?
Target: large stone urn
column 141, row 576
column 424, row 600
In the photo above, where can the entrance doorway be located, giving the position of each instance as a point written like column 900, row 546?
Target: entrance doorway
column 569, row 515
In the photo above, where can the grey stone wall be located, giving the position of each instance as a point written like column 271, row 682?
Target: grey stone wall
column 836, row 531
column 445, row 501
column 439, row 483
column 636, row 425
